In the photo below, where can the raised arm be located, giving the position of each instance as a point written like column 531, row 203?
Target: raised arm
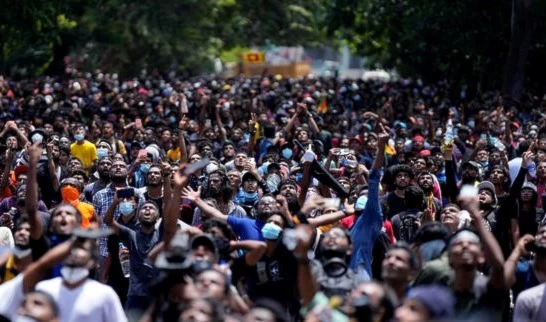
column 51, row 167
column 492, row 249
column 513, row 259
column 36, row 271
column 109, row 216
column 4, row 183
column 206, row 209
column 307, row 285
column 36, row 230
column 254, row 249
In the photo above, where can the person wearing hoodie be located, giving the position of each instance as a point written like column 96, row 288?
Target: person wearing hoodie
column 530, row 216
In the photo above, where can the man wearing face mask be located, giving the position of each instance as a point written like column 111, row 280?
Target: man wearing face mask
column 104, row 198
column 250, row 190
column 271, row 270
column 83, row 149
column 71, row 193
column 22, row 253
column 140, row 240
column 81, row 298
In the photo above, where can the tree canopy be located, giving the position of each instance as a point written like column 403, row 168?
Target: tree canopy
column 471, row 42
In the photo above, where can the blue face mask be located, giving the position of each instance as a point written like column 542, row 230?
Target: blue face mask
column 126, row 208
column 270, row 231
column 287, row 153
column 250, row 197
column 144, row 168
column 79, row 137
column 101, row 153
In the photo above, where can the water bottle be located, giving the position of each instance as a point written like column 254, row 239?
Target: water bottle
column 532, row 169
column 449, row 132
column 124, row 260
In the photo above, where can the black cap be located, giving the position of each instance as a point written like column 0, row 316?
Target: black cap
column 177, row 257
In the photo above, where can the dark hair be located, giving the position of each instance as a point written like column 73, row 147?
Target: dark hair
column 430, row 231
column 212, row 223
column 50, row 300
column 414, row 197
column 81, row 173
column 287, row 182
column 274, row 307
column 402, row 168
column 414, row 260
column 269, row 131
column 225, row 186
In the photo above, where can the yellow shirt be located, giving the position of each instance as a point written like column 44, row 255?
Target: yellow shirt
column 86, row 152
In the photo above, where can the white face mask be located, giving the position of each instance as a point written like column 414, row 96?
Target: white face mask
column 73, row 275
column 21, row 318
column 21, row 253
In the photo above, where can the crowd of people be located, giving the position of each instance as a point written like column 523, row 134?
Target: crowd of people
column 269, row 199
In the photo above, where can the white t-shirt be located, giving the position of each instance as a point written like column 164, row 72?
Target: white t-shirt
column 529, row 303
column 91, row 302
column 11, row 295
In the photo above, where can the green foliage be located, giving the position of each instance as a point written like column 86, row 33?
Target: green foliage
column 127, row 36
column 434, row 39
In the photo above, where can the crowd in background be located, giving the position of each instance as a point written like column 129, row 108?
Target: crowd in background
column 269, row 199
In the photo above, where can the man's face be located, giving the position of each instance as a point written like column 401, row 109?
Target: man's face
column 450, row 217
column 22, row 235
column 465, row 253
column 215, row 185
column 526, row 195
column 195, row 158
column 335, row 239
column 37, row 307
column 74, row 165
column 154, row 176
column 396, row 266
column 107, row 131
column 497, row 177
column 303, row 136
column 148, row 214
column 346, row 184
column 426, row 182
column 541, row 170
column 118, row 170
column 495, row 158
column 240, row 160
column 64, row 220
column 344, row 144
column 12, row 143
column 237, row 135
column 482, row 156
column 22, row 179
column 80, row 254
column 418, row 144
column 148, row 136
column 419, row 164
column 371, row 143
column 402, row 180
column 228, row 151
column 234, row 178
column 288, row 190
column 250, row 185
column 206, row 150
column 104, row 167
column 485, row 197
column 166, row 136
column 265, row 207
column 210, row 134
column 211, row 284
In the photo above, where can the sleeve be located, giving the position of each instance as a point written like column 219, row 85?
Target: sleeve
column 113, row 311
column 522, row 310
column 125, row 234
column 97, row 204
column 12, row 296
column 93, row 156
column 42, row 206
column 367, row 226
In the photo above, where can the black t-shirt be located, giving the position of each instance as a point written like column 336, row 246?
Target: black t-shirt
column 273, row 277
column 528, row 221
column 395, row 203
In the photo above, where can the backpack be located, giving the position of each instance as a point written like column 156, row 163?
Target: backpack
column 408, row 225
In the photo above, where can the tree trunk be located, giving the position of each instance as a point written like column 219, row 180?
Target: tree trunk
column 523, row 23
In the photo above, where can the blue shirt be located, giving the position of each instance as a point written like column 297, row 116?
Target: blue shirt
column 525, row 277
column 246, row 228
column 367, row 226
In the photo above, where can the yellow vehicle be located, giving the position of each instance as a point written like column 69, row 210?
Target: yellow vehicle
column 254, row 64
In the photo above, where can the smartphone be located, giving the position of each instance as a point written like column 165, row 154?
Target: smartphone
column 192, row 167
column 344, row 151
column 142, row 154
column 138, row 123
column 125, row 193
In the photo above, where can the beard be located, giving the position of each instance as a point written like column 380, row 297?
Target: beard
column 147, row 224
column 293, row 204
column 214, row 192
